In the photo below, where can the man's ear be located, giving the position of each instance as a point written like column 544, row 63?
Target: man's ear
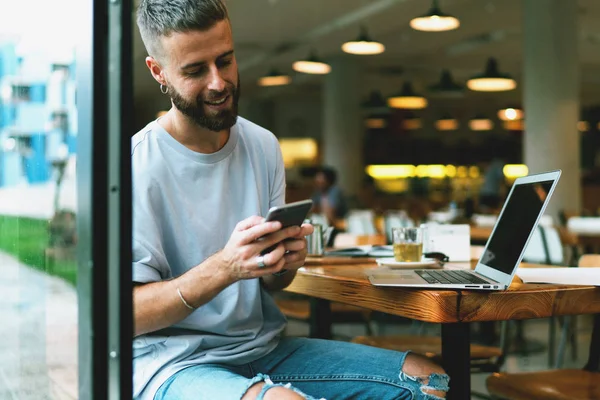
column 156, row 70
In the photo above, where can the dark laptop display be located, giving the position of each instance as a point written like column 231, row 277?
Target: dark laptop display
column 518, row 219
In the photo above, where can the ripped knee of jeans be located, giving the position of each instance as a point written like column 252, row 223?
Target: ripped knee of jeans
column 269, row 384
column 431, row 386
column 428, row 384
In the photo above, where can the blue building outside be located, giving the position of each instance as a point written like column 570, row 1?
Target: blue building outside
column 38, row 120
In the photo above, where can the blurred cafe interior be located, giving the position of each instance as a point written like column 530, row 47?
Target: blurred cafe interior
column 418, row 112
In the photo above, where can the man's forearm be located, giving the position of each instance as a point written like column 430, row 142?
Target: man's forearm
column 157, row 305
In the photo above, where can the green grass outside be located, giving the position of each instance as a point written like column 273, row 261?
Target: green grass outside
column 26, row 239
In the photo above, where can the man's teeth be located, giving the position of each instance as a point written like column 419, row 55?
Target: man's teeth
column 216, row 103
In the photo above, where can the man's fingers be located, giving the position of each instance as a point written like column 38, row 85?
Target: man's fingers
column 295, row 244
column 272, row 258
column 278, row 237
column 256, row 232
column 306, row 229
column 249, row 222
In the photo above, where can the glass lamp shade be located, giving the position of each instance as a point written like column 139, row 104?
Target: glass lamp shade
column 491, row 80
column 274, row 78
column 435, row 21
column 312, row 65
column 407, row 99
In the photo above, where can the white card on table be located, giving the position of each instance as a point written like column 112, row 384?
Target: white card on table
column 452, row 240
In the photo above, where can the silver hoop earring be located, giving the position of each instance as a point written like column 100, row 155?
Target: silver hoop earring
column 164, row 89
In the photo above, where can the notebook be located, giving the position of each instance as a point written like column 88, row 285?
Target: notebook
column 362, row 251
column 522, row 210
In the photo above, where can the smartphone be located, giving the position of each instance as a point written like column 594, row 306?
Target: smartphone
column 289, row 215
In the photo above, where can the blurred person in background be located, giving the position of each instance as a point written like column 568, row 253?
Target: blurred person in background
column 328, row 199
column 493, row 188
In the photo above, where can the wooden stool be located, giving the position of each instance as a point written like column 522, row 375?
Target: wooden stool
column 483, row 358
column 560, row 384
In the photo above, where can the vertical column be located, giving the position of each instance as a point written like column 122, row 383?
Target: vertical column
column 551, row 96
column 342, row 128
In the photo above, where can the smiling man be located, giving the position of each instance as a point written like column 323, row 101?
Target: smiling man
column 206, row 326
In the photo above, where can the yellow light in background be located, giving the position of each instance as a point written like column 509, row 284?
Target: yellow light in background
column 296, row 150
column 421, row 171
column 161, row 113
column 392, row 185
column 446, row 124
column 407, row 102
column 481, row 124
column 363, row 47
column 510, row 114
column 491, row 84
column 491, row 80
column 311, row 67
column 473, row 172
column 583, row 126
column 390, row 171
column 274, row 80
column 407, row 99
column 436, row 171
column 513, row 171
column 435, row 23
column 375, row 123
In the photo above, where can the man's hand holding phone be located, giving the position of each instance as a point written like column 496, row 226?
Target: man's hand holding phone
column 260, row 247
column 242, row 253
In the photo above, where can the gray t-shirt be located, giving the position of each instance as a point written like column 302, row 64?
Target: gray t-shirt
column 185, row 207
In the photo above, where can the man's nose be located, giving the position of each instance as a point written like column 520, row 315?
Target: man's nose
column 216, row 82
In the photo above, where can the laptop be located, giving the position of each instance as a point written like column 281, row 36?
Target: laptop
column 503, row 251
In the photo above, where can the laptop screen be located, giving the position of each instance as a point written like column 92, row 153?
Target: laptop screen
column 515, row 224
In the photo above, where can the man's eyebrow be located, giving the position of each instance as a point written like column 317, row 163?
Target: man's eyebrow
column 202, row 63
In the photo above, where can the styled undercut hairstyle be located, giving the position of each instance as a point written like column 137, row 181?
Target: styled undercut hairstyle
column 161, row 18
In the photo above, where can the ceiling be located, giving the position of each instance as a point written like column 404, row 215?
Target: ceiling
column 274, row 33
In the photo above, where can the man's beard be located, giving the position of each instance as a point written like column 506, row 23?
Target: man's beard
column 224, row 119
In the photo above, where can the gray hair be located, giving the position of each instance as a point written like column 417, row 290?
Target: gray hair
column 161, row 18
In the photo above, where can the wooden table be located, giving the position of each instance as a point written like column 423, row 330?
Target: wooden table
column 453, row 309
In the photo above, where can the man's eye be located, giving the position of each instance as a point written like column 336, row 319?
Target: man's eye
column 224, row 63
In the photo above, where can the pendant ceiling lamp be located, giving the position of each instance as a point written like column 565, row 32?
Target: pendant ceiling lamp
column 274, row 78
column 510, row 114
column 407, row 99
column 446, row 87
column 375, row 122
column 435, row 20
column 363, row 45
column 312, row 65
column 481, row 123
column 491, row 80
column 446, row 123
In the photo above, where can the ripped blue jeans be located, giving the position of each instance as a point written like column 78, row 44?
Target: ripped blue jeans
column 316, row 369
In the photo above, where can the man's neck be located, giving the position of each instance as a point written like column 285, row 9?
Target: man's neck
column 191, row 135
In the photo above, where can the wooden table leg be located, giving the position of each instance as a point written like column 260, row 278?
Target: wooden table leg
column 320, row 318
column 456, row 359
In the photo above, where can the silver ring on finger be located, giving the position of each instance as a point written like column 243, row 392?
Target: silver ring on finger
column 260, row 261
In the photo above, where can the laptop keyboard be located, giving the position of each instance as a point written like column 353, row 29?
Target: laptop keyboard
column 450, row 276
